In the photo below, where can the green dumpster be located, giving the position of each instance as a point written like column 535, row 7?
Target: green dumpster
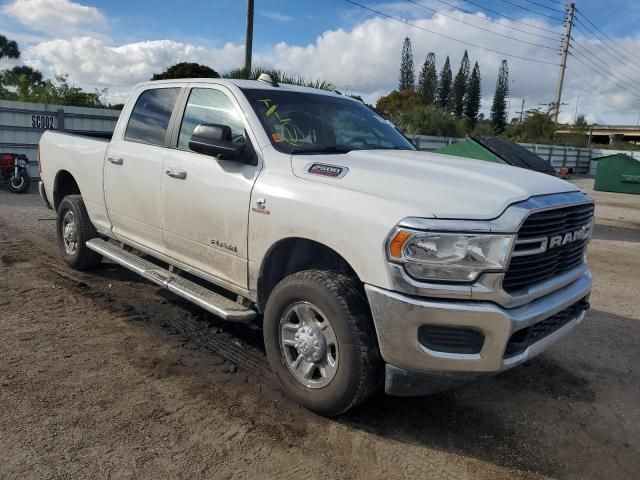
column 469, row 148
column 498, row 150
column 618, row 173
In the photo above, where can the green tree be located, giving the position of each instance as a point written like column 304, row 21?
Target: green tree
column 444, row 85
column 8, row 48
column 499, row 106
column 407, row 72
column 537, row 127
column 430, row 120
column 392, row 106
column 428, row 80
column 474, row 95
column 60, row 92
column 459, row 90
column 579, row 133
column 22, row 81
column 186, row 70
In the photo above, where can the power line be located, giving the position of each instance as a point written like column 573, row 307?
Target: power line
column 589, row 32
column 460, row 9
column 596, row 68
column 612, row 53
column 556, row 2
column 582, row 15
column 545, row 6
column 481, row 28
column 509, row 18
column 447, row 36
column 582, row 52
column 553, row 17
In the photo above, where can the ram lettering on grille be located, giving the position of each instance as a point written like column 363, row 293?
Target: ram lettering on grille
column 549, row 243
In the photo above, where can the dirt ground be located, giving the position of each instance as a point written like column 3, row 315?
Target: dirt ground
column 103, row 375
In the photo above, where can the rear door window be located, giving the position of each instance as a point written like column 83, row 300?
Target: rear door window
column 150, row 117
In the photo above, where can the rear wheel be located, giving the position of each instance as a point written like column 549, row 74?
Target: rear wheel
column 19, row 183
column 320, row 341
column 74, row 229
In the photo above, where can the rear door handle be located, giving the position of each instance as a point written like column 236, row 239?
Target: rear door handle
column 116, row 161
column 174, row 173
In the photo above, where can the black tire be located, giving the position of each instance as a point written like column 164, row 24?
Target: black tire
column 82, row 258
column 19, row 184
column 359, row 367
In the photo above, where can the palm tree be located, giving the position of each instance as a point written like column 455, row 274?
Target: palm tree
column 278, row 76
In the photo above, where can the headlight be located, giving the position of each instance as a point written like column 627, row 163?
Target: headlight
column 450, row 257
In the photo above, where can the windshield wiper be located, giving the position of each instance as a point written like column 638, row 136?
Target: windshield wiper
column 323, row 149
column 392, row 148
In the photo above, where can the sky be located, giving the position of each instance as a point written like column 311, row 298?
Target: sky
column 115, row 44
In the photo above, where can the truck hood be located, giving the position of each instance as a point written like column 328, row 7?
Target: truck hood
column 440, row 186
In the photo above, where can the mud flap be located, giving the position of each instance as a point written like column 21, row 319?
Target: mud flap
column 409, row 383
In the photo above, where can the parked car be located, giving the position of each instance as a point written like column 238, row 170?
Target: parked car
column 365, row 261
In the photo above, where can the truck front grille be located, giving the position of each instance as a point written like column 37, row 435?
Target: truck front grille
column 528, row 269
column 523, row 339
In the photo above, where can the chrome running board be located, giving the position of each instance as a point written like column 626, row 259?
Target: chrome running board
column 201, row 296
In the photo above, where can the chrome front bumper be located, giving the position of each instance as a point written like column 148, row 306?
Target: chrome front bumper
column 397, row 318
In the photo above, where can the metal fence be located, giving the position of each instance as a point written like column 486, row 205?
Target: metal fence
column 430, row 143
column 577, row 160
column 22, row 124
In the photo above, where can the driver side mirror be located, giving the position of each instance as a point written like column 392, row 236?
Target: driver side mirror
column 215, row 140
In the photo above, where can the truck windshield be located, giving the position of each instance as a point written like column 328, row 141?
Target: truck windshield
column 298, row 122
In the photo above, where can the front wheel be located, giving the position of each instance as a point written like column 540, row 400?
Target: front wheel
column 320, row 341
column 19, row 183
column 74, row 230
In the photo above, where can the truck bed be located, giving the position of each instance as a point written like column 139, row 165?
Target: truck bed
column 82, row 156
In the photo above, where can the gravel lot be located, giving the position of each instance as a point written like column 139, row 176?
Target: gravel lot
column 103, row 375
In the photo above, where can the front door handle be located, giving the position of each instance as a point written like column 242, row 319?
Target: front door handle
column 116, row 161
column 174, row 173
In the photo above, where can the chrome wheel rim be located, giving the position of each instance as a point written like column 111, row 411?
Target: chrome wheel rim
column 69, row 233
column 308, row 345
column 17, row 182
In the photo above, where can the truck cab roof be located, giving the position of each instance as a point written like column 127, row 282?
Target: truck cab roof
column 243, row 84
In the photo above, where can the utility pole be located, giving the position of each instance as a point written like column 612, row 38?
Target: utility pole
column 566, row 38
column 509, row 103
column 521, row 112
column 575, row 115
column 248, row 44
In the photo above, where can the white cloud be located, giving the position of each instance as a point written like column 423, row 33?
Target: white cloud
column 363, row 59
column 92, row 62
column 277, row 16
column 60, row 17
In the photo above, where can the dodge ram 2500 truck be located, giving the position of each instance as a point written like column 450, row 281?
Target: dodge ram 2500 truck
column 365, row 261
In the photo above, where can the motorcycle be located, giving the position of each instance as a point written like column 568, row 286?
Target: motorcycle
column 14, row 170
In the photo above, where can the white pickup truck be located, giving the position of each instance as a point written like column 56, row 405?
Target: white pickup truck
column 365, row 261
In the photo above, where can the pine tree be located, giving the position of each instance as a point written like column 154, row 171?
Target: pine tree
column 472, row 102
column 499, row 106
column 407, row 72
column 428, row 81
column 444, row 86
column 459, row 91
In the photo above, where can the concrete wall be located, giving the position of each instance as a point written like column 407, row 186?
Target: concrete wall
column 22, row 124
